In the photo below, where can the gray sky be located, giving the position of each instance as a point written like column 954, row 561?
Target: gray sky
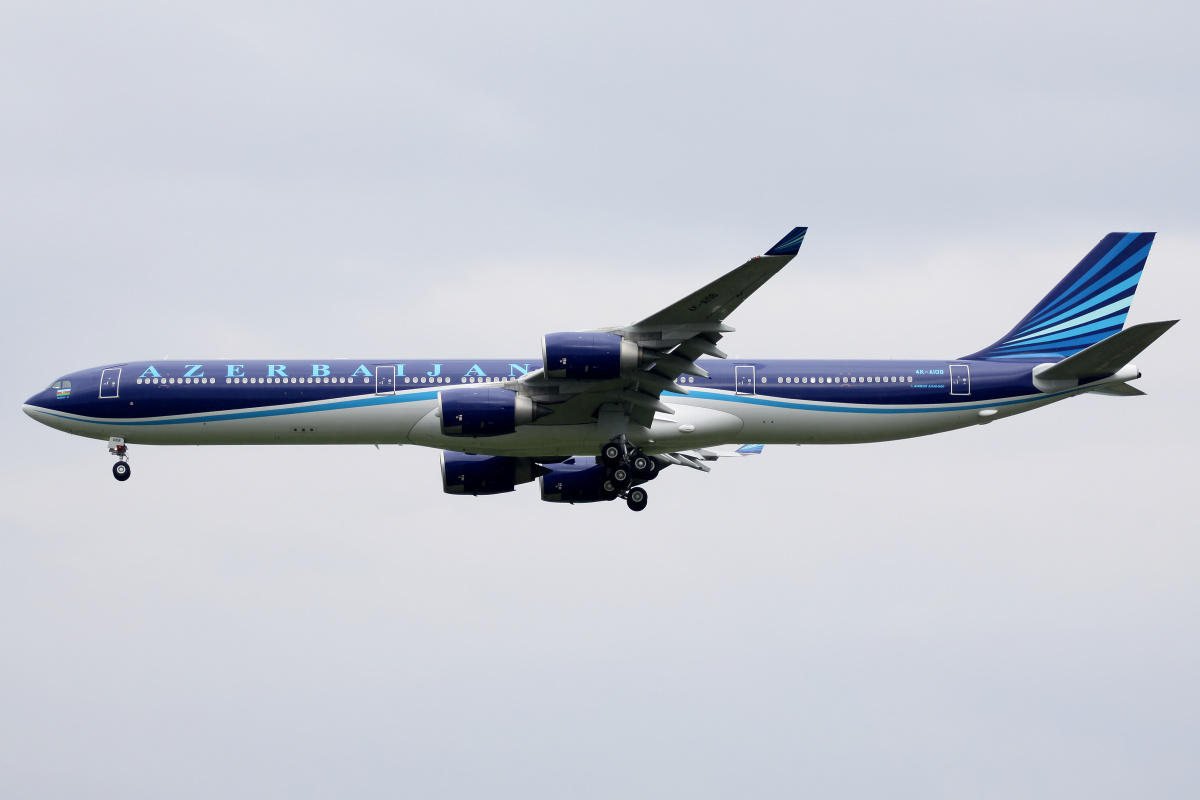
column 1003, row 611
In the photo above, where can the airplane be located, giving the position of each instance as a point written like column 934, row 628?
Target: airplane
column 605, row 410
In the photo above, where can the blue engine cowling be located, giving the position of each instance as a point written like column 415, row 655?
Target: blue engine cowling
column 463, row 473
column 485, row 412
column 578, row 480
column 588, row 355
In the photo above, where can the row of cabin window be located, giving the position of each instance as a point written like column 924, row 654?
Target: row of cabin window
column 294, row 380
column 250, row 380
column 884, row 379
column 876, row 379
column 441, row 379
column 468, row 379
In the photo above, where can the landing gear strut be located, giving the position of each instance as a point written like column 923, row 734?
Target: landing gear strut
column 625, row 466
column 116, row 446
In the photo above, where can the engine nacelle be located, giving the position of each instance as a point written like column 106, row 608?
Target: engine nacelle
column 588, row 355
column 485, row 412
column 578, row 482
column 470, row 474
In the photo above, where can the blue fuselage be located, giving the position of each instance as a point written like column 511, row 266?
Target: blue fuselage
column 377, row 401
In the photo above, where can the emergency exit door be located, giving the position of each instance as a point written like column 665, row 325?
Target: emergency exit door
column 110, row 383
column 960, row 379
column 743, row 380
column 385, row 380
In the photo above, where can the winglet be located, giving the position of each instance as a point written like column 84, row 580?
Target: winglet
column 790, row 244
column 750, row 449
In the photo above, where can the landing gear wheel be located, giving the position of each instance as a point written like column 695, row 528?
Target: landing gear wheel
column 609, row 491
column 620, row 477
column 643, row 466
column 611, row 454
column 121, row 470
column 636, row 499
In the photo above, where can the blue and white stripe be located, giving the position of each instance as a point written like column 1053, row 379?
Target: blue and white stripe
column 1087, row 306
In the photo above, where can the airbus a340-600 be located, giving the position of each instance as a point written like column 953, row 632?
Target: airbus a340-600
column 604, row 411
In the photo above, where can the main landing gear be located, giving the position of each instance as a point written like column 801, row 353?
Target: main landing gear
column 116, row 446
column 627, row 466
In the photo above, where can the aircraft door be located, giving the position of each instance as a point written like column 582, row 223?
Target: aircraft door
column 743, row 379
column 385, row 380
column 960, row 379
column 110, row 383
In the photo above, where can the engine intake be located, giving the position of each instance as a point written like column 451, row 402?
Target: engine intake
column 588, row 355
column 486, row 412
column 463, row 473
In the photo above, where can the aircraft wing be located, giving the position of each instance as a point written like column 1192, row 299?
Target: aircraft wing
column 670, row 340
column 696, row 458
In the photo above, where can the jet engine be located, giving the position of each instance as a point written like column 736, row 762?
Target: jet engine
column 463, row 473
column 588, row 355
column 486, row 411
column 578, row 480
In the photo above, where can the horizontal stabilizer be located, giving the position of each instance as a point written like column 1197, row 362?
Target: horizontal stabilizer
column 1108, row 356
column 1119, row 390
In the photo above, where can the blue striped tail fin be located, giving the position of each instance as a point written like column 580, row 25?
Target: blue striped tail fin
column 1087, row 306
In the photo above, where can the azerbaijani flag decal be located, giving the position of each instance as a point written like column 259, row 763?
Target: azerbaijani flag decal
column 64, row 393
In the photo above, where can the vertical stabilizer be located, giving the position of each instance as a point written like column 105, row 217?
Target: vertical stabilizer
column 1087, row 306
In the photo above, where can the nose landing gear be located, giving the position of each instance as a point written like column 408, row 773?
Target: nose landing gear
column 118, row 448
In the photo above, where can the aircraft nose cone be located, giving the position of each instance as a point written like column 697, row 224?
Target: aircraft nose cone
column 34, row 404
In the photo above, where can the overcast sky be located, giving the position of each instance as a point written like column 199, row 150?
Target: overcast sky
column 1005, row 611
